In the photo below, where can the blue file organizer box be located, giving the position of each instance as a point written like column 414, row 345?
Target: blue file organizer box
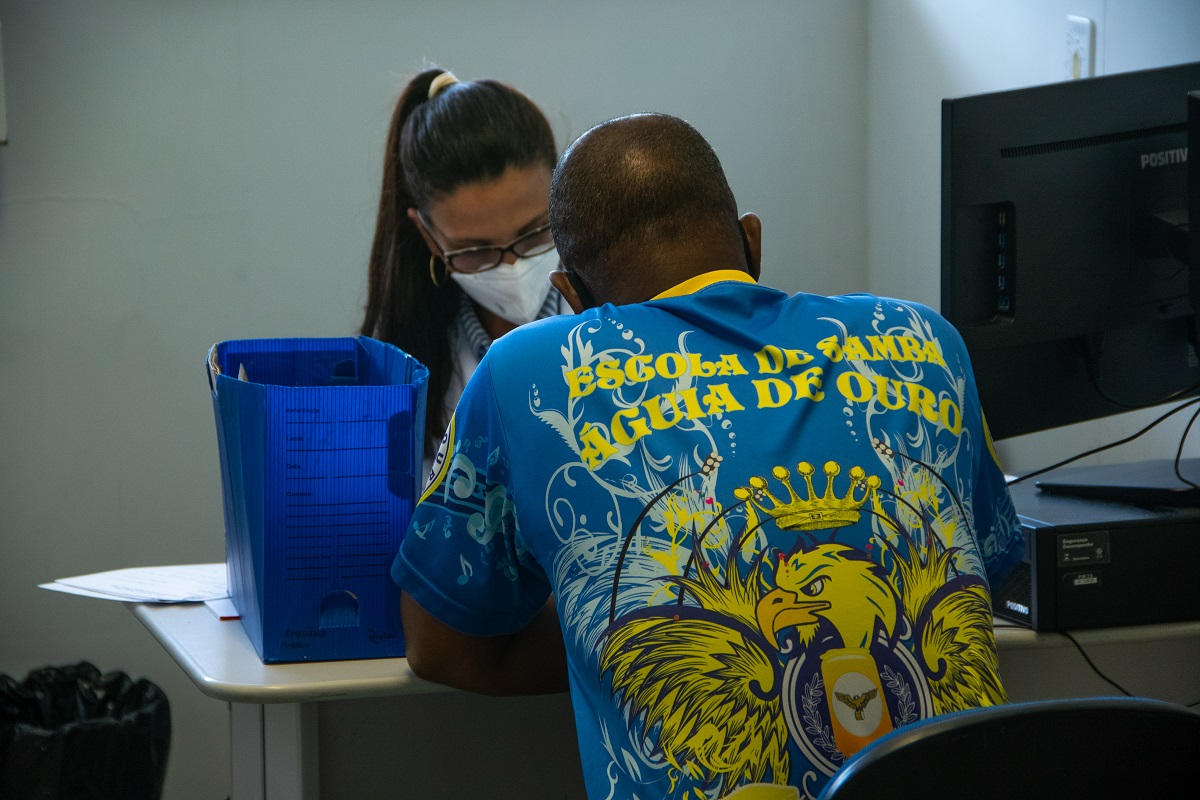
column 321, row 445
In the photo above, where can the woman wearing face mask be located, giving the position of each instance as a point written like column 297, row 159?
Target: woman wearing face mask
column 462, row 251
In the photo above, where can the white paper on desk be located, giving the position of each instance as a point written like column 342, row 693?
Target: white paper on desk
column 62, row 587
column 182, row 583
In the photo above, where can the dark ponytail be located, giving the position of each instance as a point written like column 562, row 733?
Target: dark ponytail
column 467, row 133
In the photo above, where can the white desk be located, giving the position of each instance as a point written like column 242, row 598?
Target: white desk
column 292, row 722
column 272, row 708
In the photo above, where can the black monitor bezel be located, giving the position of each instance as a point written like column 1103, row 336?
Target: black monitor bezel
column 1037, row 373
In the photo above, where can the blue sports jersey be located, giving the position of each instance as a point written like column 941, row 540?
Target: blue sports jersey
column 768, row 522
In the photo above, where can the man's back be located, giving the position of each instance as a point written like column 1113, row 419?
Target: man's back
column 766, row 522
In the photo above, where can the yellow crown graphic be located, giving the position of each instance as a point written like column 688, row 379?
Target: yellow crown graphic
column 814, row 513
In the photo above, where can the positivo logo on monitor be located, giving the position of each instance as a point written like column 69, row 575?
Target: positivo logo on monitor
column 1165, row 158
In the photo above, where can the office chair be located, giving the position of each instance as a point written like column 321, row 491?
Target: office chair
column 1098, row 747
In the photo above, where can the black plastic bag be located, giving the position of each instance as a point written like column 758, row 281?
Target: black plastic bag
column 72, row 733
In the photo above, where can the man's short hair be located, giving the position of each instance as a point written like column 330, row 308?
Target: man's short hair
column 634, row 185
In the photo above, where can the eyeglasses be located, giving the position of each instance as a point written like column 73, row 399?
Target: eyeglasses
column 479, row 259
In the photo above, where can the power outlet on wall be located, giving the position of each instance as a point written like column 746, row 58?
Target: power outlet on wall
column 1080, row 59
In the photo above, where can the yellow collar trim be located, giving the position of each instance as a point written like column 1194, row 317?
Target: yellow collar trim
column 695, row 284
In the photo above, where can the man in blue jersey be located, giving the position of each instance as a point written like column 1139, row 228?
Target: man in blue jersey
column 755, row 530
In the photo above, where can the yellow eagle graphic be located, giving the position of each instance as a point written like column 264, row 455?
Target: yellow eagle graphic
column 703, row 680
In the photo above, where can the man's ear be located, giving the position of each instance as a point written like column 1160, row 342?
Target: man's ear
column 429, row 242
column 752, row 232
column 562, row 282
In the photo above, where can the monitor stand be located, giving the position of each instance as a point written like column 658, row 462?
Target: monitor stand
column 1140, row 483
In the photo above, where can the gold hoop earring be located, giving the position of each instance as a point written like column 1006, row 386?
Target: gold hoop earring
column 432, row 275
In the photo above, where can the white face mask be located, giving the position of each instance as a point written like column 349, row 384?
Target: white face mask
column 512, row 291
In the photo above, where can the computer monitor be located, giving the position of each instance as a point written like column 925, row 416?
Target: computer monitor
column 1065, row 245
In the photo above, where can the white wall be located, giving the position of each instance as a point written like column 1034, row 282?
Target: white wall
column 180, row 173
column 921, row 51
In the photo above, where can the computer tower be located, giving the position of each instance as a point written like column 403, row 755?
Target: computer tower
column 1096, row 564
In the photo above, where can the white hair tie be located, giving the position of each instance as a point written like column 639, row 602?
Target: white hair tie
column 441, row 82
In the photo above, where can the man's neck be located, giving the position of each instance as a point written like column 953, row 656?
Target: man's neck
column 659, row 272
